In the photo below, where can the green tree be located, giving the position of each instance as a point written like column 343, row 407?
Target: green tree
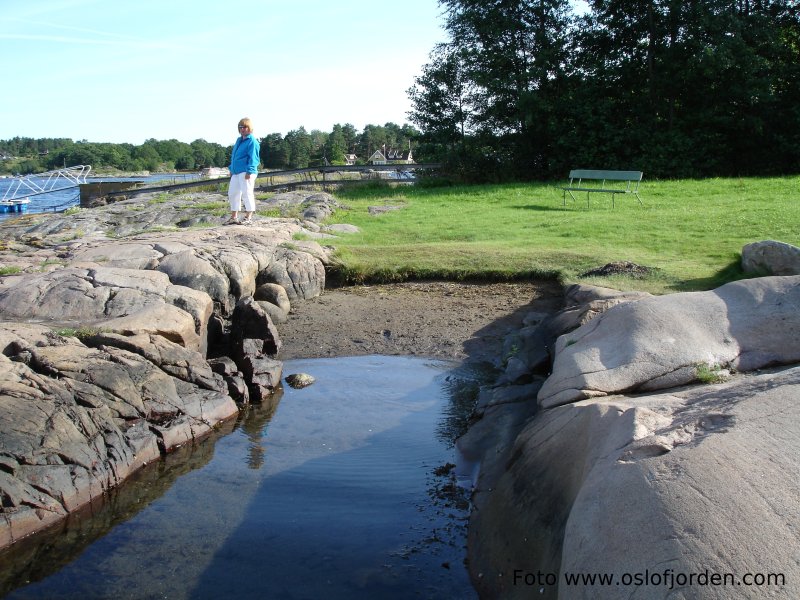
column 146, row 157
column 497, row 80
column 439, row 100
column 372, row 138
column 350, row 137
column 30, row 165
column 336, row 146
column 691, row 88
column 203, row 153
column 274, row 152
column 299, row 145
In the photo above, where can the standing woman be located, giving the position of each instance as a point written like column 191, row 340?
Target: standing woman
column 245, row 159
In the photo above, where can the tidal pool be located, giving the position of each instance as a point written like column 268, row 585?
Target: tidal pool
column 344, row 489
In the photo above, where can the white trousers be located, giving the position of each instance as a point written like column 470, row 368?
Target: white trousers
column 242, row 190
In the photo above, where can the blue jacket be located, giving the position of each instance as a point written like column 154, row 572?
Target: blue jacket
column 246, row 155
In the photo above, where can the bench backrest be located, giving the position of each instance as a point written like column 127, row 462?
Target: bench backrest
column 609, row 175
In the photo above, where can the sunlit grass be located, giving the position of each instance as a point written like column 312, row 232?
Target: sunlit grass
column 690, row 232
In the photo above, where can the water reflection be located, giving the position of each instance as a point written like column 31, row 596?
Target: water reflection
column 37, row 557
column 345, row 489
column 462, row 387
column 253, row 418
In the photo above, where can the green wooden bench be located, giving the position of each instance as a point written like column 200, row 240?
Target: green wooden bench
column 590, row 180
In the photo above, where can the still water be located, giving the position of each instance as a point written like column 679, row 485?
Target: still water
column 344, row 489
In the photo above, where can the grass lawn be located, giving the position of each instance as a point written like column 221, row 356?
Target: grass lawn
column 690, row 232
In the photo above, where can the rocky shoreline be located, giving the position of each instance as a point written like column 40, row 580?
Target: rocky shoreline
column 627, row 433
column 129, row 330
column 652, row 441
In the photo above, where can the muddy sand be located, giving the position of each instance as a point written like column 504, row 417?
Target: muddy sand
column 446, row 320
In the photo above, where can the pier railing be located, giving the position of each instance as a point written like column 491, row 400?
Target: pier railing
column 17, row 196
column 286, row 179
column 44, row 183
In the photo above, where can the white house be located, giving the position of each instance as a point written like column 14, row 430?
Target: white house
column 377, row 158
column 392, row 157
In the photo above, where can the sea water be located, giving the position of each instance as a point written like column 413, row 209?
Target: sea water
column 343, row 489
column 63, row 199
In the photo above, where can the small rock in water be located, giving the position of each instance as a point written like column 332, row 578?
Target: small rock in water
column 299, row 380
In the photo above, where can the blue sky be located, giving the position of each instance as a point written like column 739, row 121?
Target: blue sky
column 125, row 70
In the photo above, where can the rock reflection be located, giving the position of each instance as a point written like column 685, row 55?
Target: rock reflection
column 350, row 489
column 253, row 419
column 462, row 387
column 38, row 556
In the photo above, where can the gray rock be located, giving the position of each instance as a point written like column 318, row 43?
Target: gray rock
column 233, row 378
column 254, row 341
column 317, row 213
column 276, row 313
column 251, row 322
column 274, row 293
column 223, row 365
column 315, row 206
column 168, row 321
column 300, row 380
column 771, row 257
column 580, row 293
column 299, row 273
column 534, row 345
column 187, row 269
column 174, row 359
column 287, row 199
column 264, row 374
column 516, row 372
column 126, row 255
column 121, row 300
column 77, row 421
column 694, row 480
column 666, row 341
column 338, row 228
column 629, row 484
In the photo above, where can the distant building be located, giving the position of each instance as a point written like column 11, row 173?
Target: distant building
column 400, row 156
column 350, row 159
column 377, row 158
column 392, row 157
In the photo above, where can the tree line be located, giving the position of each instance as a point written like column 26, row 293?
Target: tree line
column 37, row 155
column 527, row 89
column 297, row 149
